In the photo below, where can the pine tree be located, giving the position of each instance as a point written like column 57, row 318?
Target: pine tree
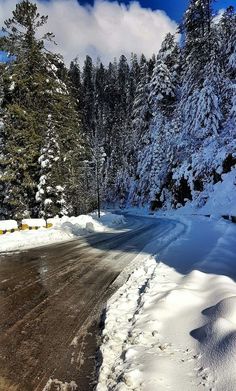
column 37, row 107
column 22, row 125
column 61, row 150
column 50, row 194
column 141, row 113
column 227, row 33
column 88, row 97
column 208, row 115
column 76, row 85
column 165, row 76
column 134, row 78
column 100, row 80
column 162, row 89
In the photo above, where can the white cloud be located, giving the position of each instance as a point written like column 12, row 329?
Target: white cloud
column 106, row 30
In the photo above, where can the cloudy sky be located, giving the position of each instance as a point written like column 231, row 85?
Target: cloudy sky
column 107, row 28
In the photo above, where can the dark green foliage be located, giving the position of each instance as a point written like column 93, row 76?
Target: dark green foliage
column 40, row 122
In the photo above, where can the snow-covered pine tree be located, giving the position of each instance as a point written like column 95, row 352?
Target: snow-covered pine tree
column 61, row 150
column 76, row 85
column 50, row 194
column 141, row 117
column 37, row 107
column 227, row 32
column 163, row 99
column 22, row 123
column 110, row 128
column 100, row 80
column 96, row 140
column 208, row 114
column 196, row 28
column 162, row 88
column 197, row 50
column 110, row 106
column 170, row 55
column 134, row 78
column 116, row 162
column 88, row 87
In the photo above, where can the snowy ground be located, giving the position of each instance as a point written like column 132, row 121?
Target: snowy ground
column 172, row 326
column 63, row 229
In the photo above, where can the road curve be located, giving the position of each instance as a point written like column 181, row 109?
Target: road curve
column 51, row 299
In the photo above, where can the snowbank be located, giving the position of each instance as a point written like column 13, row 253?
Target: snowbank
column 153, row 324
column 172, row 325
column 90, row 223
column 54, row 384
column 63, row 229
column 34, row 222
column 8, row 225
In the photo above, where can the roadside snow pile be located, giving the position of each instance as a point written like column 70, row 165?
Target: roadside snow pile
column 153, row 325
column 89, row 223
column 34, row 222
column 8, row 224
column 56, row 385
column 63, row 229
column 172, row 325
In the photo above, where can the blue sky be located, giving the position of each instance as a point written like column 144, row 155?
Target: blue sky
column 174, row 8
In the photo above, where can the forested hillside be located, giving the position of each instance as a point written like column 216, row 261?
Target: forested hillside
column 139, row 131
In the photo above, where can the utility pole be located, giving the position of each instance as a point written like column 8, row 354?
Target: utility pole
column 98, row 189
column 98, row 159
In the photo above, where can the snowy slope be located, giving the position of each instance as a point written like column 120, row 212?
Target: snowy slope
column 172, row 326
column 218, row 199
column 65, row 228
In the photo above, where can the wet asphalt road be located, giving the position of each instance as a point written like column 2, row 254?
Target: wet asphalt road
column 51, row 300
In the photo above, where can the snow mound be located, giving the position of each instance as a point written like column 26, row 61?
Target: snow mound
column 90, row 223
column 217, row 340
column 8, row 224
column 63, row 229
column 54, row 384
column 34, row 222
column 226, row 309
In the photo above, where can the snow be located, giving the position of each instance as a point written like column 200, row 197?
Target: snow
column 216, row 200
column 222, row 200
column 8, row 224
column 65, row 228
column 172, row 325
column 54, row 384
column 34, row 222
column 12, row 86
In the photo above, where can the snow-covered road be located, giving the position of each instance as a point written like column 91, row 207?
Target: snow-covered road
column 51, row 299
column 170, row 325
